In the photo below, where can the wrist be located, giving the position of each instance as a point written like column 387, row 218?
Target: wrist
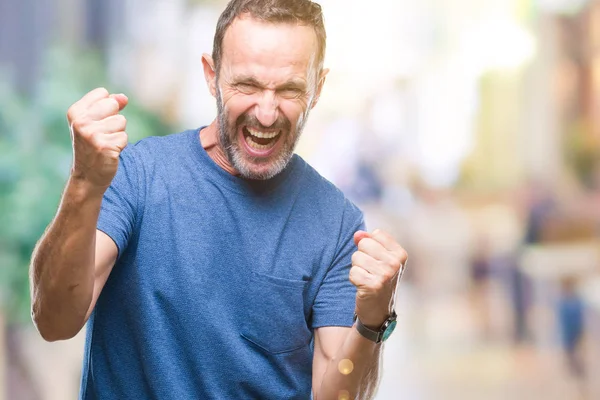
column 378, row 334
column 81, row 190
column 374, row 325
column 356, row 332
column 373, row 321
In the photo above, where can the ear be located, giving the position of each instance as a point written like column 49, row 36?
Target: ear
column 322, row 78
column 210, row 74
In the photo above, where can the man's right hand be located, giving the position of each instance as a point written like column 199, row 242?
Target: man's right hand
column 98, row 137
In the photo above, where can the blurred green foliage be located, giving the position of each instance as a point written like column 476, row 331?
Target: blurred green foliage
column 35, row 160
column 582, row 151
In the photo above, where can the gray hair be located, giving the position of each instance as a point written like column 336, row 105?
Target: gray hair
column 304, row 12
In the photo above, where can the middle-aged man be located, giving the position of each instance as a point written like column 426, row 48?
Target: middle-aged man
column 215, row 263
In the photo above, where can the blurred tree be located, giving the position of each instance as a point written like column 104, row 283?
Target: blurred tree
column 35, row 159
column 582, row 151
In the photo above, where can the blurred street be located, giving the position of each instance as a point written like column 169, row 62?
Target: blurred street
column 468, row 129
column 439, row 355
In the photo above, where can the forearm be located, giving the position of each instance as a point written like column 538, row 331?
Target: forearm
column 62, row 265
column 354, row 369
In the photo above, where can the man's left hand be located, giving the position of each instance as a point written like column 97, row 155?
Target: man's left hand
column 375, row 269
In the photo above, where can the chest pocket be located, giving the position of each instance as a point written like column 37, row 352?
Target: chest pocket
column 275, row 321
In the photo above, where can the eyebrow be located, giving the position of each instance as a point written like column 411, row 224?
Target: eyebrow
column 291, row 84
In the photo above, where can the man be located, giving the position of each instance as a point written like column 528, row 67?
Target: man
column 215, row 263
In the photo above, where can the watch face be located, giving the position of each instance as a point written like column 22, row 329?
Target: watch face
column 388, row 331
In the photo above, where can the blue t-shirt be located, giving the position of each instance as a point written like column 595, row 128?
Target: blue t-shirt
column 220, row 281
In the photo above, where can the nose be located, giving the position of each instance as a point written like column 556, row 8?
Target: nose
column 267, row 108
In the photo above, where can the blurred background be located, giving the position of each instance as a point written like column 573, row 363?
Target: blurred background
column 469, row 129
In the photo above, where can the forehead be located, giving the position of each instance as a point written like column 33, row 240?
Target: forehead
column 268, row 51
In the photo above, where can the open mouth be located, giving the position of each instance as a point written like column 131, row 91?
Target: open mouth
column 260, row 140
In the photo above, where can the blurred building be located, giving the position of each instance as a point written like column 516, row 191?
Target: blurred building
column 29, row 27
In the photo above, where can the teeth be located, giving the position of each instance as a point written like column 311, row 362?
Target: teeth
column 262, row 135
column 257, row 146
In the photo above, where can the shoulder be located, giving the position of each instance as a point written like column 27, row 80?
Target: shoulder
column 149, row 156
column 153, row 151
column 326, row 194
column 154, row 145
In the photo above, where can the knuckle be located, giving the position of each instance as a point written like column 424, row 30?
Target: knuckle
column 113, row 103
column 385, row 235
column 82, row 128
column 71, row 114
column 377, row 285
column 354, row 271
column 102, row 91
column 107, row 152
column 352, row 275
column 388, row 276
column 364, row 243
column 378, row 233
column 120, row 119
column 97, row 142
column 76, row 125
column 123, row 143
column 403, row 255
column 113, row 154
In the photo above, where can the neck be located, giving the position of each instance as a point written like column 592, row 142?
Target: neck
column 209, row 138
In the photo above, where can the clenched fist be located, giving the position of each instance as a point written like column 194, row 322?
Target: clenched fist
column 98, row 136
column 376, row 267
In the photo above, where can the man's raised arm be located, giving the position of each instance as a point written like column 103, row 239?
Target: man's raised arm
column 72, row 260
column 346, row 360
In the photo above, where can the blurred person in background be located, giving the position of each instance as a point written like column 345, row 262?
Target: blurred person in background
column 571, row 325
column 480, row 286
column 215, row 263
column 539, row 206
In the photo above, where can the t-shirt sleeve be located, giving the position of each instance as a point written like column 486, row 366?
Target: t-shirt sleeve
column 120, row 201
column 336, row 298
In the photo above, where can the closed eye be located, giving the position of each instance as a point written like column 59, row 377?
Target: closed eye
column 290, row 92
column 246, row 87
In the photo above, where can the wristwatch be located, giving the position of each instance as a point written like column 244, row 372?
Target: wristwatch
column 389, row 324
column 380, row 335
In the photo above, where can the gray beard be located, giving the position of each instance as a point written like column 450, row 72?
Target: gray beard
column 229, row 144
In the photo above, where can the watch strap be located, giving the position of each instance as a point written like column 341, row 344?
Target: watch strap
column 367, row 333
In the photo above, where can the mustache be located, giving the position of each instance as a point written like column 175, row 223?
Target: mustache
column 282, row 123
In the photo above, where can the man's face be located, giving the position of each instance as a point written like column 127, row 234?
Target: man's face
column 265, row 88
